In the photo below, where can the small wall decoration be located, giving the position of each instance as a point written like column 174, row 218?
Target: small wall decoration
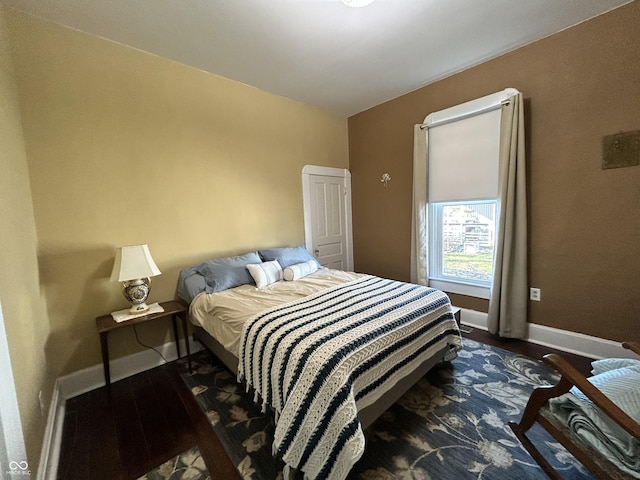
column 621, row 150
column 385, row 178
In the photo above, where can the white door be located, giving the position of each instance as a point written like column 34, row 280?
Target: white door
column 327, row 215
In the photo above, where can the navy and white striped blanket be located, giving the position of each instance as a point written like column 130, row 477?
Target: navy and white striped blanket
column 317, row 360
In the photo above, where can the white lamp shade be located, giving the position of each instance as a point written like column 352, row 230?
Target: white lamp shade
column 133, row 262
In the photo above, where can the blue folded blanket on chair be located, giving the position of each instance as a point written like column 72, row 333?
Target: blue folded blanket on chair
column 619, row 380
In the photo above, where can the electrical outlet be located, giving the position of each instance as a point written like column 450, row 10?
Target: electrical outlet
column 534, row 294
column 41, row 402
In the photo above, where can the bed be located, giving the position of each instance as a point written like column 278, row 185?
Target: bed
column 327, row 350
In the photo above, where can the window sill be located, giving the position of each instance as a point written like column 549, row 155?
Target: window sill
column 461, row 288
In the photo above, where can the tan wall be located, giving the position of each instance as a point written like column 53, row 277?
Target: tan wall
column 21, row 298
column 579, row 85
column 126, row 148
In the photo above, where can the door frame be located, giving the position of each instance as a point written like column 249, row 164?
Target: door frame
column 13, row 455
column 309, row 171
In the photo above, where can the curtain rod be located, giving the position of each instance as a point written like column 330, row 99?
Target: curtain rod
column 490, row 108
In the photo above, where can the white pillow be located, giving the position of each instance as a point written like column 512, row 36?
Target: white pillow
column 299, row 270
column 265, row 273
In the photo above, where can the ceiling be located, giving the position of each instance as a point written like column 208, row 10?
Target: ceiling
column 321, row 52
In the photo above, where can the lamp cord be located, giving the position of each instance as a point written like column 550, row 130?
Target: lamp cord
column 148, row 346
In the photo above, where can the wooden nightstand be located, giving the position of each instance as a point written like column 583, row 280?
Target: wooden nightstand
column 106, row 323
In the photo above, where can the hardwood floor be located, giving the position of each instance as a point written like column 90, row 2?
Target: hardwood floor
column 153, row 417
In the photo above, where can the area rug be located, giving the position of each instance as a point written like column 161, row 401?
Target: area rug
column 188, row 465
column 452, row 424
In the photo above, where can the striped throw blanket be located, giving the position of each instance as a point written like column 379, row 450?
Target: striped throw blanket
column 318, row 360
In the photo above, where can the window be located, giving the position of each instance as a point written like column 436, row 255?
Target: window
column 463, row 152
column 463, row 236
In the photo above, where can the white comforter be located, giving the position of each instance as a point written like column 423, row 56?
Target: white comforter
column 224, row 314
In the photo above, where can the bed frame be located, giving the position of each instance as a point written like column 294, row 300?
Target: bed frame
column 368, row 414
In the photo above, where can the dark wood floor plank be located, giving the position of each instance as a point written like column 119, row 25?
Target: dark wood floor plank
column 159, row 436
column 178, row 421
column 218, row 463
column 131, row 439
column 101, row 438
column 94, row 446
column 69, row 432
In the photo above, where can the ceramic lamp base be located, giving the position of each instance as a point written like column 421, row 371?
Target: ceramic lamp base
column 137, row 292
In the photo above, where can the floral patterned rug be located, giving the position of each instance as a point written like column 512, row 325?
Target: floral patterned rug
column 451, row 424
column 188, row 465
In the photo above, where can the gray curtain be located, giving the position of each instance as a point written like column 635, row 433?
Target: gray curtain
column 509, row 299
column 419, row 217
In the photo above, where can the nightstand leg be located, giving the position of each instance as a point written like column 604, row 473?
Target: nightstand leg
column 186, row 340
column 104, row 343
column 175, row 334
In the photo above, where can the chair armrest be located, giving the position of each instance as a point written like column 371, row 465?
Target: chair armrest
column 577, row 379
column 633, row 346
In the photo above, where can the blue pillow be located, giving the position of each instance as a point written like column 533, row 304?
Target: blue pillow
column 287, row 256
column 224, row 273
column 190, row 284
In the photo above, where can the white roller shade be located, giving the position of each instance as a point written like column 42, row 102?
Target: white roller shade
column 463, row 158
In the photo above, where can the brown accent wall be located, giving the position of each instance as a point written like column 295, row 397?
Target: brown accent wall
column 584, row 222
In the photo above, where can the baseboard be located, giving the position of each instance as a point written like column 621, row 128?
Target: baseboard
column 88, row 379
column 473, row 318
column 578, row 343
column 564, row 340
column 48, row 466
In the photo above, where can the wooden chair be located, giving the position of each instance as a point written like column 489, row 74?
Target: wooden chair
column 537, row 410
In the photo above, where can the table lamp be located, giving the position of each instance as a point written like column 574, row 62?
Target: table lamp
column 134, row 267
